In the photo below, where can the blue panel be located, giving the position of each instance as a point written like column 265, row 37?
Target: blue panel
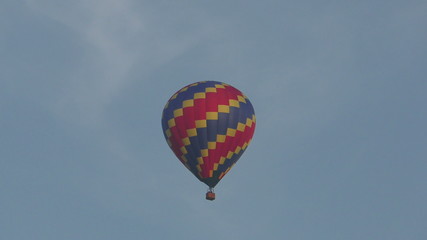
column 192, row 160
column 202, row 135
column 233, row 117
column 229, row 162
column 212, row 130
column 222, row 123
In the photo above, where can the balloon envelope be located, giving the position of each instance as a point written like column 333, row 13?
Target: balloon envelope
column 208, row 125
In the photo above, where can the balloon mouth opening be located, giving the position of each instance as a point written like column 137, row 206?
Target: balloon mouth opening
column 211, row 182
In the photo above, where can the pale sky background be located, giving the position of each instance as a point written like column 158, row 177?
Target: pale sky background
column 339, row 89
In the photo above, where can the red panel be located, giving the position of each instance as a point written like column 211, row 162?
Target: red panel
column 232, row 93
column 222, row 97
column 205, row 168
column 211, row 102
column 181, row 126
column 189, row 117
column 200, row 109
column 176, row 142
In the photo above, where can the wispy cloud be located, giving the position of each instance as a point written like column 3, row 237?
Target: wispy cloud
column 115, row 37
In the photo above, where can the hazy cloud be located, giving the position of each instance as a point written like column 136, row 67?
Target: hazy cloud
column 116, row 36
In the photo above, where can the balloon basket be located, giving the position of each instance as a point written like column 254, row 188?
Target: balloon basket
column 210, row 196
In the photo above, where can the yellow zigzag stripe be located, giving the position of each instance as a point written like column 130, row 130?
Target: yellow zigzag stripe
column 190, row 103
column 221, row 138
column 180, row 91
column 230, row 155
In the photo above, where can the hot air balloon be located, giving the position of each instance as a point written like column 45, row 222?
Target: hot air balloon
column 208, row 125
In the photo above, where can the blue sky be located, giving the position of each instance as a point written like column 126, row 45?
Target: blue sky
column 339, row 89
